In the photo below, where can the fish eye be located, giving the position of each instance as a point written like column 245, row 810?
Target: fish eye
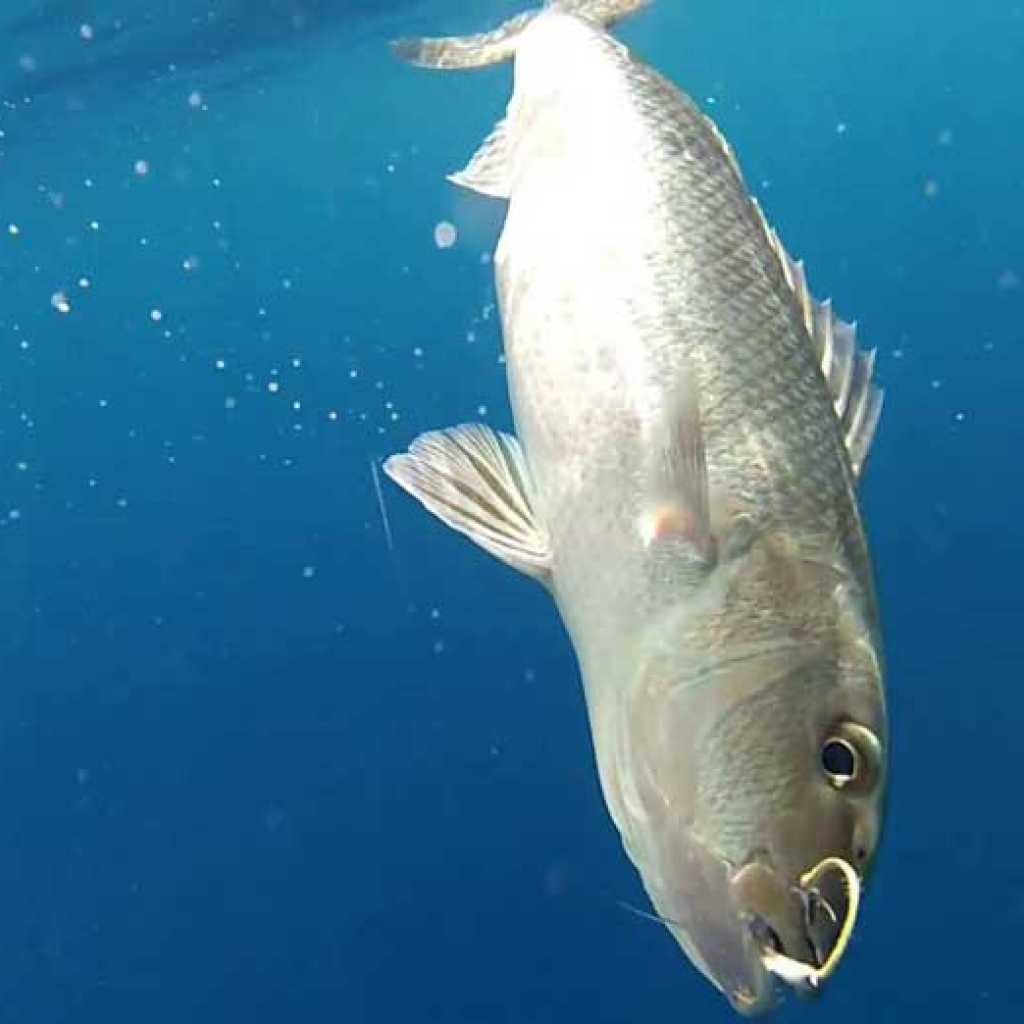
column 840, row 761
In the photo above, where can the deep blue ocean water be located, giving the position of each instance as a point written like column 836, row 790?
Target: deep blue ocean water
column 257, row 764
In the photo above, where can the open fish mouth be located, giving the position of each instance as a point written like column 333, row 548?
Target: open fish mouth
column 830, row 892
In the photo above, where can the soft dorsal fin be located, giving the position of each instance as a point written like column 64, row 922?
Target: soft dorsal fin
column 847, row 369
column 476, row 481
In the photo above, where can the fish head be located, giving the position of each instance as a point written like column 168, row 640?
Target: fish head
column 755, row 799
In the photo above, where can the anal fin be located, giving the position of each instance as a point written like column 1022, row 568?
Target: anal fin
column 476, row 481
column 488, row 171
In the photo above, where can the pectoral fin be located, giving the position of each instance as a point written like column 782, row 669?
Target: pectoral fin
column 678, row 494
column 476, row 480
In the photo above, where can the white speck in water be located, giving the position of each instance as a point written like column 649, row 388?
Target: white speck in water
column 936, row 384
column 94, row 225
column 142, row 168
column 485, row 258
column 216, row 182
column 195, row 99
column 332, row 415
column 959, row 417
column 445, row 234
column 296, row 405
column 28, row 63
column 308, row 572
column 122, row 502
column 273, row 387
column 104, row 402
column 84, row 282
column 88, row 183
column 156, row 315
column 230, row 402
column 296, row 362
column 190, row 263
column 13, row 229
column 14, row 513
column 219, row 364
column 481, row 410
column 21, row 466
column 86, row 32
column 418, row 352
column 435, row 613
column 59, row 301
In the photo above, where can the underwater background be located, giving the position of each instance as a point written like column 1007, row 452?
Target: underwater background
column 275, row 744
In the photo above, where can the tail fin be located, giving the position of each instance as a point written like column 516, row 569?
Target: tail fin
column 477, row 51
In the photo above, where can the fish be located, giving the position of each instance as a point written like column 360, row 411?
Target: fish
column 691, row 425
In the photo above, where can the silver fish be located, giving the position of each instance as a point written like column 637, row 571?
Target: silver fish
column 691, row 426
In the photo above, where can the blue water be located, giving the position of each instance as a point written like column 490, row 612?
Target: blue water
column 258, row 765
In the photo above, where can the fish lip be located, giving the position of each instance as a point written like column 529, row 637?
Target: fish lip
column 829, row 894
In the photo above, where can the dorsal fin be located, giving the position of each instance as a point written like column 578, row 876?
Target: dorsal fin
column 847, row 369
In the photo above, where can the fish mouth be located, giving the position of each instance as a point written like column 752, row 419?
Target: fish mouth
column 799, row 932
column 829, row 898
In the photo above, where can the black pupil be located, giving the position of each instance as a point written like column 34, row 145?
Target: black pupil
column 838, row 759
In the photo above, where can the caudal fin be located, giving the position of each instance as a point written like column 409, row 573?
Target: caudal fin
column 485, row 48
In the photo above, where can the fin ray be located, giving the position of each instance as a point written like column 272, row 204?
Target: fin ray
column 476, row 481
column 848, row 370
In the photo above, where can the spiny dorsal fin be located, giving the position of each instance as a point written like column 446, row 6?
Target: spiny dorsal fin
column 847, row 369
column 476, row 481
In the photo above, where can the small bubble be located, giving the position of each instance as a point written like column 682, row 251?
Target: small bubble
column 418, row 352
column 481, row 410
column 94, row 225
column 332, row 415
column 14, row 513
column 308, row 572
column 296, row 405
column 841, row 128
column 273, row 387
column 142, row 168
column 156, row 315
column 59, row 301
column 13, row 229
column 219, row 364
column 122, row 502
column 28, row 63
column 445, row 234
column 84, row 282
column 86, row 32
column 230, row 402
column 936, row 384
column 959, row 417
column 190, row 263
column 296, row 362
column 195, row 99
